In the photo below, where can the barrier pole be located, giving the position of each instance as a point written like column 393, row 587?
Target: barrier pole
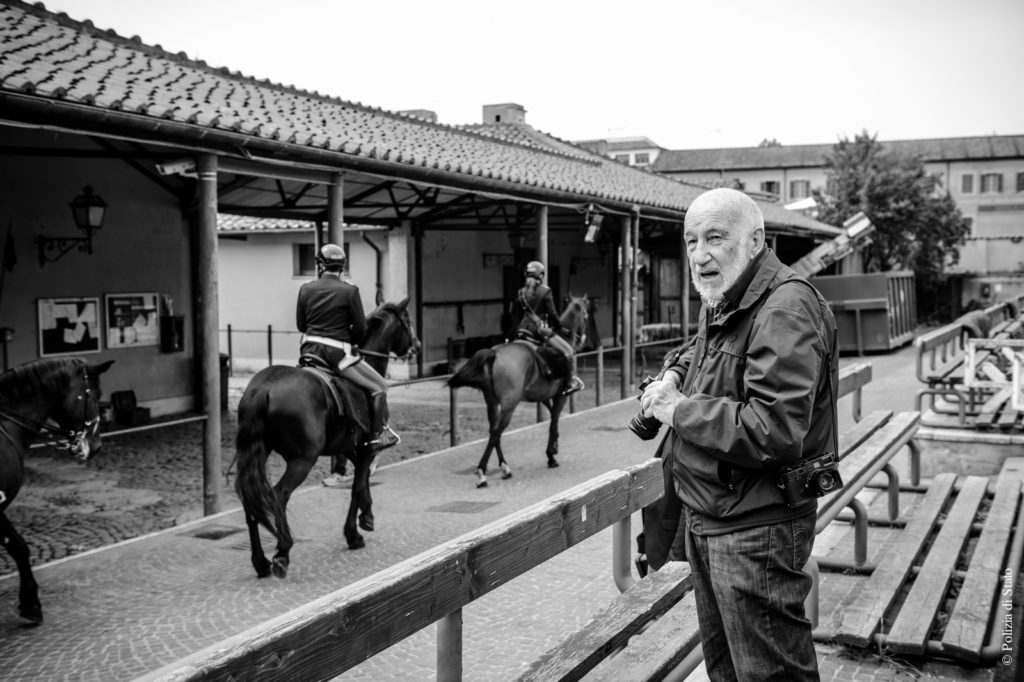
column 449, row 647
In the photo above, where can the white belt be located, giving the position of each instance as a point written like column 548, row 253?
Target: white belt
column 334, row 343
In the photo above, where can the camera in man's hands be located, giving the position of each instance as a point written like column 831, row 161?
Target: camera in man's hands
column 809, row 479
column 645, row 428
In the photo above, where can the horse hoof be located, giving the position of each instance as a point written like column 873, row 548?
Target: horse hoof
column 366, row 524
column 33, row 614
column 262, row 568
column 357, row 543
column 552, row 464
column 505, row 475
column 280, row 568
column 481, row 484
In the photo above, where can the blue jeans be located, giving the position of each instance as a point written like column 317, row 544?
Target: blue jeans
column 750, row 589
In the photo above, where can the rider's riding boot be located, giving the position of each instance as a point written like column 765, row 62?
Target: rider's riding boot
column 385, row 437
column 574, row 384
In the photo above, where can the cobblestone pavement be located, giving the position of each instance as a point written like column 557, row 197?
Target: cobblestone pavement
column 118, row 612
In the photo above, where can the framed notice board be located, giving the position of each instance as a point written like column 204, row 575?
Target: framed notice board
column 132, row 320
column 68, row 325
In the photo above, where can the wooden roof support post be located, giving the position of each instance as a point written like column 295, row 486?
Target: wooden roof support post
column 542, row 237
column 209, row 337
column 627, row 303
column 336, row 211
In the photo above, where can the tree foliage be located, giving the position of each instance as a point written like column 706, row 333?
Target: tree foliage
column 916, row 227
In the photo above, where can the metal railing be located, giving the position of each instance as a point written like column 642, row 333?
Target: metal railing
column 643, row 362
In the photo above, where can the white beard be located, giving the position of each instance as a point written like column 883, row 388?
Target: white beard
column 712, row 295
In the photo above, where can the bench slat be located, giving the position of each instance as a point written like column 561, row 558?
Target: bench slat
column 848, row 440
column 660, row 648
column 909, row 632
column 965, row 631
column 612, row 626
column 987, row 415
column 860, row 619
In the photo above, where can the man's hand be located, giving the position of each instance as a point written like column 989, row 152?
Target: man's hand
column 660, row 400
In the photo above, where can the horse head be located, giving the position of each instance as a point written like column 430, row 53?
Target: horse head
column 389, row 331
column 78, row 409
column 574, row 318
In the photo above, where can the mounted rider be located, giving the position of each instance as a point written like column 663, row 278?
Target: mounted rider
column 330, row 316
column 539, row 321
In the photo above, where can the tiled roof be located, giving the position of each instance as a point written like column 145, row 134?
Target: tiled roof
column 49, row 57
column 227, row 222
column 813, row 155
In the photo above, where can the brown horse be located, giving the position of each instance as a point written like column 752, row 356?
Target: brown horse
column 289, row 410
column 509, row 373
column 66, row 390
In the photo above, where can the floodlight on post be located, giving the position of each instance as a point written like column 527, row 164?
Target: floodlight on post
column 88, row 210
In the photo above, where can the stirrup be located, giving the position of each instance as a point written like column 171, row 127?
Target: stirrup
column 386, row 439
column 575, row 384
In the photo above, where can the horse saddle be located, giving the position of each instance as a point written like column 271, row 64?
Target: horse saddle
column 347, row 398
column 551, row 361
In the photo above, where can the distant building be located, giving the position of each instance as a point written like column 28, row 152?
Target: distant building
column 632, row 151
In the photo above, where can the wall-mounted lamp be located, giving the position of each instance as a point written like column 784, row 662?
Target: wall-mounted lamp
column 593, row 222
column 516, row 238
column 88, row 210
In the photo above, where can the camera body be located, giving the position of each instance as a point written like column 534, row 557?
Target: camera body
column 809, row 479
column 645, row 428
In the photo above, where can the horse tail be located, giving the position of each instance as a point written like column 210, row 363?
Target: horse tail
column 252, row 486
column 476, row 372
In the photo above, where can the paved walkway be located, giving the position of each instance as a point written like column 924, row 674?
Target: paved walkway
column 119, row 612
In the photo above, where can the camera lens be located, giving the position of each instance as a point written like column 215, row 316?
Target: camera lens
column 827, row 482
column 645, row 428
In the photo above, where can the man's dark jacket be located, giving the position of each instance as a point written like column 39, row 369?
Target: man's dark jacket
column 759, row 397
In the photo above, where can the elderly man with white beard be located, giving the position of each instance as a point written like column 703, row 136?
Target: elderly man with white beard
column 749, row 404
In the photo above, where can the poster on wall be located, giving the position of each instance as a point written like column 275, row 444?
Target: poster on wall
column 132, row 320
column 69, row 325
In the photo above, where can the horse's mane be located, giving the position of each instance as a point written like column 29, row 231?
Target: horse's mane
column 378, row 317
column 26, row 382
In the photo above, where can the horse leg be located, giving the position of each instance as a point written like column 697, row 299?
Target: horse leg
column 506, row 419
column 259, row 559
column 365, row 501
column 294, row 474
column 28, row 594
column 359, row 508
column 555, row 408
column 494, row 416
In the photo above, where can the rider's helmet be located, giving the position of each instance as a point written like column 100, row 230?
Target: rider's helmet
column 331, row 257
column 535, row 269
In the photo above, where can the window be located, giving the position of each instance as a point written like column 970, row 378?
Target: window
column 799, row 189
column 770, row 186
column 1020, row 182
column 303, row 260
column 624, row 158
column 991, row 182
column 967, row 184
column 642, row 159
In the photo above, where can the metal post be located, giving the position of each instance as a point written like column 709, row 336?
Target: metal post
column 627, row 309
column 453, row 413
column 231, row 354
column 542, row 237
column 270, row 345
column 209, row 335
column 449, row 648
column 600, row 375
column 684, row 287
column 336, row 211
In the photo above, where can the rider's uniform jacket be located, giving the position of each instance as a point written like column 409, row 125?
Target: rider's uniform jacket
column 542, row 303
column 330, row 308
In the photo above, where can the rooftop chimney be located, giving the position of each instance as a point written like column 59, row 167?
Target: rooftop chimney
column 504, row 113
column 425, row 114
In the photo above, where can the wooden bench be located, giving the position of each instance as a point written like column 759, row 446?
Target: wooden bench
column 903, row 604
column 963, row 386
column 668, row 648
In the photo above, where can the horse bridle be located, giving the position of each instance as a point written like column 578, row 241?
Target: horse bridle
column 76, row 441
column 404, row 317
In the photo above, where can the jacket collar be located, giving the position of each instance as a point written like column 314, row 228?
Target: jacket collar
column 752, row 283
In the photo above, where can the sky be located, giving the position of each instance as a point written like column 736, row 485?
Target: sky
column 688, row 74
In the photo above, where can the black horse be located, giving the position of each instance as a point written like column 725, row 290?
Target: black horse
column 509, row 373
column 290, row 411
column 66, row 391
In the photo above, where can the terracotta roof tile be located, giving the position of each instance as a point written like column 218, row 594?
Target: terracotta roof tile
column 53, row 57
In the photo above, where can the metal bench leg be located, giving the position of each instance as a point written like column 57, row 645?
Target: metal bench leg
column 449, row 647
column 894, row 490
column 622, row 567
column 860, row 532
column 915, row 463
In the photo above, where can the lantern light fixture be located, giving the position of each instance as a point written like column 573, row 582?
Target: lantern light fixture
column 88, row 210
